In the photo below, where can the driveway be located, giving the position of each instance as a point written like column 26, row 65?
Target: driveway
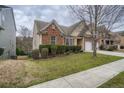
column 111, row 53
column 91, row 78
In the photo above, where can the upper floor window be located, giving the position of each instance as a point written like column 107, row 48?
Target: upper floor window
column 53, row 40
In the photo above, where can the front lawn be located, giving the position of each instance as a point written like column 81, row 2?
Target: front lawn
column 116, row 82
column 24, row 73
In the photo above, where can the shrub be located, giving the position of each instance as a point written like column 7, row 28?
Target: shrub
column 61, row 49
column 44, row 52
column 30, row 54
column 73, row 48
column 45, row 46
column 19, row 52
column 111, row 48
column 1, row 51
column 53, row 50
column 77, row 48
column 35, row 54
column 101, row 47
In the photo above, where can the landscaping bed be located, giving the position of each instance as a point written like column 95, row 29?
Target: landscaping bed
column 116, row 82
column 24, row 73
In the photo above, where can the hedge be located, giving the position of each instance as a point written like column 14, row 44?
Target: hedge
column 35, row 54
column 60, row 49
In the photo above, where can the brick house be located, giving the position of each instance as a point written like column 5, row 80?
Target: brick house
column 52, row 33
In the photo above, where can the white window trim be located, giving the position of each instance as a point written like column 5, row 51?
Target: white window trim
column 51, row 40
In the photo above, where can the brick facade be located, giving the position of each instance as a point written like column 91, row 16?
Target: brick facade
column 46, row 38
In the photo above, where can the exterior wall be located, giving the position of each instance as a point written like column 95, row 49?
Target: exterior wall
column 46, row 38
column 36, row 38
column 121, row 40
column 121, row 43
column 8, row 35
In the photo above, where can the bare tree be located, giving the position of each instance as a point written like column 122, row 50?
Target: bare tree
column 25, row 41
column 110, row 16
column 24, row 32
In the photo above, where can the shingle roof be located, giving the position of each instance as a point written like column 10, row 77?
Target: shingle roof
column 68, row 30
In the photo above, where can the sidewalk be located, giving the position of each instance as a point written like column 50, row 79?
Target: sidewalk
column 91, row 78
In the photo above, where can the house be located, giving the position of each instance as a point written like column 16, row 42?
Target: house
column 121, row 40
column 8, row 34
column 77, row 34
column 53, row 33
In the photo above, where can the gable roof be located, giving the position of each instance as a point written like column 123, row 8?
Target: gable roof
column 65, row 30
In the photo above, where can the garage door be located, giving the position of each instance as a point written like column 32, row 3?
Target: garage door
column 88, row 46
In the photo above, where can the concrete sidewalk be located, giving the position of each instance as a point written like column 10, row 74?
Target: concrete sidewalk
column 91, row 78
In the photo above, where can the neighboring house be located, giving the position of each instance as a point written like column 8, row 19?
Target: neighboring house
column 121, row 40
column 52, row 33
column 8, row 35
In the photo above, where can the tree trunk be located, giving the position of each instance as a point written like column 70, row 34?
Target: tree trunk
column 95, row 31
column 94, row 48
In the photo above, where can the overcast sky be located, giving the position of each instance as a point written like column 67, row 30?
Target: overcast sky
column 25, row 15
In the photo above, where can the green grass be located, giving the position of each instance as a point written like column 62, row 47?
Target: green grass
column 37, row 71
column 116, row 82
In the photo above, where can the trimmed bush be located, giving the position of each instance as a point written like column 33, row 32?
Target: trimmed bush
column 44, row 52
column 101, row 47
column 111, row 48
column 1, row 51
column 35, row 54
column 73, row 48
column 53, row 50
column 45, row 46
column 61, row 49
column 77, row 48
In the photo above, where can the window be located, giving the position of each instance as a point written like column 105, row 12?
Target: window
column 53, row 40
column 71, row 41
column 67, row 41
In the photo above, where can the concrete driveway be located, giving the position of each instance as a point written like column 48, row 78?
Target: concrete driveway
column 91, row 78
column 111, row 53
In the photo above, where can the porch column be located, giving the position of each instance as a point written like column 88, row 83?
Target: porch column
column 75, row 41
column 83, row 44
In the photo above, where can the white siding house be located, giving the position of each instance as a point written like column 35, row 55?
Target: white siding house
column 8, row 35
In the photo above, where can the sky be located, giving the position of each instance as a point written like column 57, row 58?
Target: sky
column 26, row 14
